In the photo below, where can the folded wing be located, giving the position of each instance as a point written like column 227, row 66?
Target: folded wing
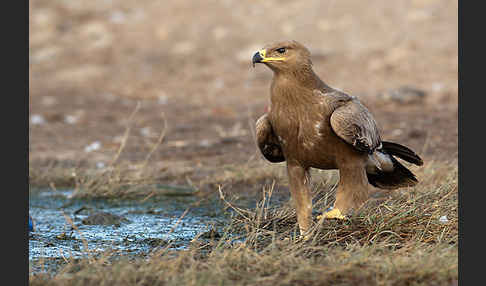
column 267, row 141
column 353, row 123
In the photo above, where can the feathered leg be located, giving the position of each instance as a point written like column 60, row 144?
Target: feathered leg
column 299, row 180
column 352, row 191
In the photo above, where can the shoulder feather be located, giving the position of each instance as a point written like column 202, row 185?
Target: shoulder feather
column 353, row 123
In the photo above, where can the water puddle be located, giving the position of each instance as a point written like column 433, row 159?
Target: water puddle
column 61, row 229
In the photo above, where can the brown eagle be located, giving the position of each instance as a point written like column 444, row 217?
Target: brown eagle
column 311, row 125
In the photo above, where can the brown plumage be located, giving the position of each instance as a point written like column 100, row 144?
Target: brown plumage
column 311, row 125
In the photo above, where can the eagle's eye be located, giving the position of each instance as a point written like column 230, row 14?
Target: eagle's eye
column 281, row 50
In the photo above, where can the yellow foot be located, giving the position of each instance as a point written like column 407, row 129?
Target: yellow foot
column 332, row 213
column 301, row 237
column 305, row 237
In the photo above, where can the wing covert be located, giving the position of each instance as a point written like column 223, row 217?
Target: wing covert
column 353, row 123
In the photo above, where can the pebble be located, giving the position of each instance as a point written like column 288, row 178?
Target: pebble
column 404, row 94
column 70, row 119
column 92, row 147
column 37, row 119
column 104, row 218
column 443, row 219
column 146, row 131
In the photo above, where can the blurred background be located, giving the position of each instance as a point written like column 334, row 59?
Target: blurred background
column 187, row 66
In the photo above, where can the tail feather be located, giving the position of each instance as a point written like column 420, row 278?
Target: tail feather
column 402, row 152
column 400, row 176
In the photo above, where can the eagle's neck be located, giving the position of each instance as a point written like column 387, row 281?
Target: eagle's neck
column 296, row 84
column 304, row 77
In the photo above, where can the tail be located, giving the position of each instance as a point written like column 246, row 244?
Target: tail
column 400, row 176
column 402, row 152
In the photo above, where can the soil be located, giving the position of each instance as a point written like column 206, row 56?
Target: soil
column 188, row 66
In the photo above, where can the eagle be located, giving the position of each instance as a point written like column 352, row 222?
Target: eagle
column 312, row 125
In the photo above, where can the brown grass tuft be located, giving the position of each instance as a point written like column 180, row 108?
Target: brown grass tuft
column 396, row 241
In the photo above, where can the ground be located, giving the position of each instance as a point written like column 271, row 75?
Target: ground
column 180, row 71
column 188, row 64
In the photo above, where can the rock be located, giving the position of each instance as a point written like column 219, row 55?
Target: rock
column 92, row 147
column 64, row 236
column 155, row 242
column 104, row 218
column 443, row 219
column 70, row 119
column 415, row 133
column 37, row 119
column 211, row 234
column 404, row 94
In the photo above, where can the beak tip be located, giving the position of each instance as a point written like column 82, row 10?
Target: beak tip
column 257, row 58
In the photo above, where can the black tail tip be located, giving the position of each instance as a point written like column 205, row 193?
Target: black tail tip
column 402, row 152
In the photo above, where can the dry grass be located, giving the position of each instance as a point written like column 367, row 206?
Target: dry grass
column 396, row 241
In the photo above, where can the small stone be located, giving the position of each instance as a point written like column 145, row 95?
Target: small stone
column 443, row 219
column 92, row 147
column 404, row 94
column 104, row 218
column 146, row 131
column 37, row 119
column 211, row 234
column 205, row 143
column 155, row 242
column 70, row 119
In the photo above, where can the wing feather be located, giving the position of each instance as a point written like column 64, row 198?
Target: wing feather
column 267, row 141
column 353, row 123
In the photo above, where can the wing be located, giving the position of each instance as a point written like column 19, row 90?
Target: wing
column 267, row 141
column 353, row 123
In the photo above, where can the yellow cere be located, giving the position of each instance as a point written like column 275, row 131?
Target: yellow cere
column 265, row 59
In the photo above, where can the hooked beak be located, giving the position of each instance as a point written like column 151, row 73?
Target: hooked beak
column 258, row 57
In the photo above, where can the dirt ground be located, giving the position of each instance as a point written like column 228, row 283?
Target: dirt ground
column 188, row 66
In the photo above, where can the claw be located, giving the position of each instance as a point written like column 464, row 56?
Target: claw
column 305, row 237
column 300, row 238
column 332, row 213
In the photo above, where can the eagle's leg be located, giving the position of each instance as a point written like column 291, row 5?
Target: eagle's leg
column 351, row 193
column 299, row 179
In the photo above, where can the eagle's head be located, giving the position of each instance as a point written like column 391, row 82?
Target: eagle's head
column 284, row 56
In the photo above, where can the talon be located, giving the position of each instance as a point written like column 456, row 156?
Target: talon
column 305, row 237
column 297, row 239
column 302, row 238
column 332, row 213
